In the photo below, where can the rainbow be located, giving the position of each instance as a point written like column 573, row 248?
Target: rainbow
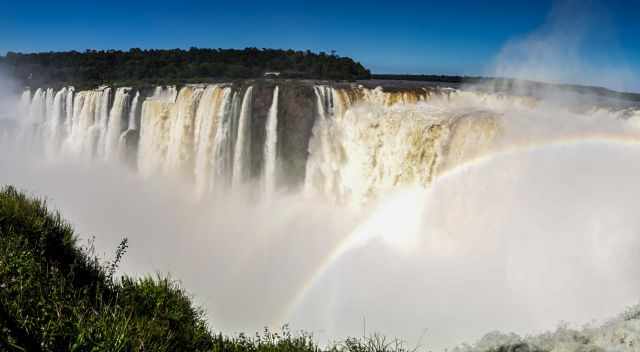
column 359, row 237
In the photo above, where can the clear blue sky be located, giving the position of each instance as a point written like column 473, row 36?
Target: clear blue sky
column 442, row 37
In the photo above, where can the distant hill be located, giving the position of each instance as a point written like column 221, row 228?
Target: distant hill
column 135, row 66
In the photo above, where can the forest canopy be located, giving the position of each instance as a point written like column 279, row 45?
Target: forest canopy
column 138, row 66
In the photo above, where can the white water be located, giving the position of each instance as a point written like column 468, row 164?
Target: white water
column 99, row 128
column 179, row 157
column 222, row 154
column 270, row 146
column 241, row 159
column 133, row 113
column 206, row 126
column 116, row 124
column 54, row 125
column 363, row 148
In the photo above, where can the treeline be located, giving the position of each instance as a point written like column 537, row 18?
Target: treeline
column 136, row 66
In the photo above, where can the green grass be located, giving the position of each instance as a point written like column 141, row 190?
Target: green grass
column 57, row 296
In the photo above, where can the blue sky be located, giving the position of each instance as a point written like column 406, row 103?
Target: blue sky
column 442, row 37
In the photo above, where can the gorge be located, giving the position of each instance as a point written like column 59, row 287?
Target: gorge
column 411, row 205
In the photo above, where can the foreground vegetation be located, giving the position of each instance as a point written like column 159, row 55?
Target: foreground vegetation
column 136, row 66
column 57, row 296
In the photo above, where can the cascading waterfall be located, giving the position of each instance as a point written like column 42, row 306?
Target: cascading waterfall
column 81, row 120
column 241, row 161
column 25, row 103
column 133, row 113
column 154, row 134
column 116, row 122
column 211, row 135
column 205, row 130
column 367, row 142
column 222, row 153
column 89, row 123
column 179, row 157
column 38, row 111
column 99, row 129
column 364, row 142
column 55, row 123
column 68, row 120
column 270, row 146
column 319, row 168
column 130, row 134
column 49, row 97
column 35, row 119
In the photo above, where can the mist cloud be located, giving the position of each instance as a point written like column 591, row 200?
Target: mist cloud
column 576, row 44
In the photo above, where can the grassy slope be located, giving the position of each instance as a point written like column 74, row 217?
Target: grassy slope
column 55, row 296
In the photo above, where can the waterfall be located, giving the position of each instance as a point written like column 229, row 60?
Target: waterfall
column 69, row 112
column 38, row 108
column 232, row 126
column 25, row 103
column 97, row 118
column 133, row 113
column 221, row 144
column 55, row 122
column 241, row 158
column 116, row 121
column 179, row 159
column 48, row 107
column 362, row 142
column 168, row 93
column 86, row 122
column 131, row 130
column 206, row 122
column 74, row 129
column 367, row 142
column 155, row 122
column 190, row 136
column 270, row 146
column 35, row 136
column 99, row 130
column 319, row 169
